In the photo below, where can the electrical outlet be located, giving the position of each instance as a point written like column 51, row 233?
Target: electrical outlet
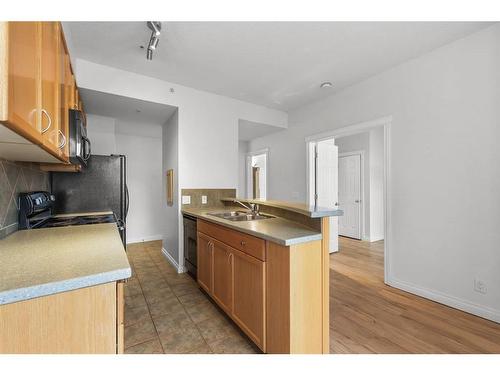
column 204, row 199
column 186, row 199
column 480, row 286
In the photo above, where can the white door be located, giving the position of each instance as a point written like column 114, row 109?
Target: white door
column 350, row 196
column 327, row 184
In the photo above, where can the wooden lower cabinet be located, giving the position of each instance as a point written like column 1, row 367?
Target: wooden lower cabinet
column 249, row 296
column 204, row 260
column 222, row 290
column 87, row 321
column 278, row 299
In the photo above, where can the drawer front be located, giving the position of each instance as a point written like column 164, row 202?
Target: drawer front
column 250, row 245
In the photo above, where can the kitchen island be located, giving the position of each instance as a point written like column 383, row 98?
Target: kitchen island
column 271, row 275
column 60, row 290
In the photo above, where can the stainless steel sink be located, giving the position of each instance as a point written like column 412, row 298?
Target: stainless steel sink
column 240, row 216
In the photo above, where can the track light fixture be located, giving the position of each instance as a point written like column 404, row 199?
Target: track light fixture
column 155, row 27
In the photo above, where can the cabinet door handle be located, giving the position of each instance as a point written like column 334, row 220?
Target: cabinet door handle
column 63, row 143
column 50, row 120
column 243, row 243
column 230, row 258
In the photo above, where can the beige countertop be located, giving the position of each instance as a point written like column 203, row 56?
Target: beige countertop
column 300, row 208
column 39, row 262
column 275, row 229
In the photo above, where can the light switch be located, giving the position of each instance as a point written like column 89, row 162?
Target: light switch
column 186, row 199
column 203, row 199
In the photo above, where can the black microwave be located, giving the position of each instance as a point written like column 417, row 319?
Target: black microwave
column 79, row 144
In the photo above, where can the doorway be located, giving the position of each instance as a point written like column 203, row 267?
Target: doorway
column 257, row 174
column 354, row 164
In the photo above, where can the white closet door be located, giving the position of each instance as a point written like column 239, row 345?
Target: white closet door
column 350, row 196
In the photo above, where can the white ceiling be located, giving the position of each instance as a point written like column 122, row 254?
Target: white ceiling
column 279, row 65
column 125, row 108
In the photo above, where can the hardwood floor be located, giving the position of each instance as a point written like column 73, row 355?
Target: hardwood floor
column 367, row 316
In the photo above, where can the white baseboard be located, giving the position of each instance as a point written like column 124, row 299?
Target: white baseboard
column 172, row 261
column 155, row 237
column 457, row 303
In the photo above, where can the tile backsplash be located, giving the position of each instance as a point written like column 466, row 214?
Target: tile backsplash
column 214, row 197
column 15, row 178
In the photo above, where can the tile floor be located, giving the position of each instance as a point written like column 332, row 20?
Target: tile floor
column 166, row 312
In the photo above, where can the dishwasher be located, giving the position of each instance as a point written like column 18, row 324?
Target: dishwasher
column 190, row 245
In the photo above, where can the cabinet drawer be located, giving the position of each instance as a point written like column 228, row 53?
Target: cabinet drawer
column 251, row 245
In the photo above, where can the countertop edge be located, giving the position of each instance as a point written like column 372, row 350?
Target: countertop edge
column 285, row 206
column 279, row 241
column 27, row 293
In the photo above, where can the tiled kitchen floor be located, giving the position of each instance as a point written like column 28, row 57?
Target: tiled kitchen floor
column 165, row 312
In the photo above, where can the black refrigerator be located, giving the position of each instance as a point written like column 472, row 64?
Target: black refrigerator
column 100, row 186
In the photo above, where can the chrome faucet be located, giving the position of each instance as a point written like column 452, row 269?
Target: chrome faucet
column 253, row 207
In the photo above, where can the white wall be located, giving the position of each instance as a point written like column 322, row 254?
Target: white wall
column 360, row 142
column 207, row 124
column 101, row 132
column 170, row 141
column 444, row 186
column 142, row 145
column 144, row 179
column 242, row 169
column 376, row 152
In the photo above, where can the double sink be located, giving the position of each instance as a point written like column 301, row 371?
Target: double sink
column 240, row 216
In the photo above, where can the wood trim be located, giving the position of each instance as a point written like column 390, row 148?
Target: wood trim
column 170, row 187
column 56, row 167
column 4, row 71
column 120, row 318
column 325, row 280
column 78, row 321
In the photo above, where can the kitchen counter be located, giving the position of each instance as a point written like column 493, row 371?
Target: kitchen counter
column 300, row 208
column 40, row 262
column 281, row 231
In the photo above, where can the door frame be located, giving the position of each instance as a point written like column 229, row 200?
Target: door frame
column 362, row 216
column 357, row 128
column 248, row 170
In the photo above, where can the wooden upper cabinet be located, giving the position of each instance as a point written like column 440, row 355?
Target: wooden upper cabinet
column 204, row 260
column 249, row 296
column 50, row 112
column 21, row 78
column 37, row 88
column 222, row 290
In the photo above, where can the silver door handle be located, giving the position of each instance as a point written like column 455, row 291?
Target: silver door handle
column 50, row 120
column 63, row 143
column 357, row 201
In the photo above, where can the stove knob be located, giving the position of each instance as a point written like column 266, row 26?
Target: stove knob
column 52, row 198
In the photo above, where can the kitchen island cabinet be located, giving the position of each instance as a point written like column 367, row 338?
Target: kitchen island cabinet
column 61, row 290
column 277, row 294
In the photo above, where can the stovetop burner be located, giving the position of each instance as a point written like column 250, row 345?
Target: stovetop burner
column 77, row 220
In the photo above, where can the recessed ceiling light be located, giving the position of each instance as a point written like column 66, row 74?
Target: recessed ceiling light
column 326, row 85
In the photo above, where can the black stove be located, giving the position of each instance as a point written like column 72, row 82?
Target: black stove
column 64, row 221
column 36, row 211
